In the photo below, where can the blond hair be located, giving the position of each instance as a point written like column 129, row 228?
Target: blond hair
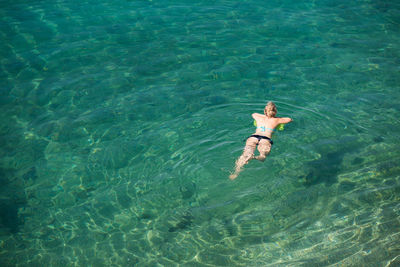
column 270, row 110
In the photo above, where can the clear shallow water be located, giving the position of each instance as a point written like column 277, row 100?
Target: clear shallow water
column 121, row 120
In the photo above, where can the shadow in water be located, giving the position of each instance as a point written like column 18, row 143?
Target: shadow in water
column 325, row 169
column 328, row 166
column 12, row 198
column 9, row 215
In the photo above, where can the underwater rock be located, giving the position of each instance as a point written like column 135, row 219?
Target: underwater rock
column 9, row 215
column 346, row 186
column 217, row 100
column 147, row 215
column 357, row 161
column 187, row 191
column 4, row 176
column 30, row 174
column 185, row 222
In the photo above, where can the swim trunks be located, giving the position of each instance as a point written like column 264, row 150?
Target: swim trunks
column 259, row 137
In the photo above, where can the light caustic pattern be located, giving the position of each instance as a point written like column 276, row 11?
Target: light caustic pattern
column 121, row 122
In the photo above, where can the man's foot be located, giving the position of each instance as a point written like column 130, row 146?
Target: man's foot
column 233, row 176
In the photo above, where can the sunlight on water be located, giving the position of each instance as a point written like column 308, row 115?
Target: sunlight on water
column 122, row 120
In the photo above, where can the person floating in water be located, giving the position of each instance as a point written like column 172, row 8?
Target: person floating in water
column 261, row 139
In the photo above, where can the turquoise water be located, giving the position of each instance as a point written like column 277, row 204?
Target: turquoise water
column 121, row 121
